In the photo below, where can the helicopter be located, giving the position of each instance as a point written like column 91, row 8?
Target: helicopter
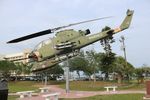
column 66, row 43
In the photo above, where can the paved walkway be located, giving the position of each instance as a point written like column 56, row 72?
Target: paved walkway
column 78, row 94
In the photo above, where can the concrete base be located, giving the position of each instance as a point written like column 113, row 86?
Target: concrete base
column 145, row 98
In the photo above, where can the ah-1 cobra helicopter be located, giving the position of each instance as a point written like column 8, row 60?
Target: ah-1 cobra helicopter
column 67, row 43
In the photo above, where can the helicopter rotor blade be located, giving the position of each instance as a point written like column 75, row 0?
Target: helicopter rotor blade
column 45, row 32
column 30, row 36
column 58, row 28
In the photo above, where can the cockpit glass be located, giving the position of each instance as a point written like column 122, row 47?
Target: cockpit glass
column 45, row 42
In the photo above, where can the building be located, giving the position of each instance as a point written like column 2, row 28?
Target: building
column 2, row 57
column 18, row 57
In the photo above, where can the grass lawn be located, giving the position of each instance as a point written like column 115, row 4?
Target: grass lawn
column 23, row 86
column 99, row 86
column 87, row 85
column 12, row 97
column 103, row 97
column 113, row 97
column 74, row 85
column 82, row 86
column 134, row 86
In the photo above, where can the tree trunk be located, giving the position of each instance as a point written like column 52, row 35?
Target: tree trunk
column 119, row 78
column 94, row 77
column 138, row 80
column 89, row 77
column 128, row 78
column 78, row 74
column 142, row 79
column 16, row 77
column 106, row 76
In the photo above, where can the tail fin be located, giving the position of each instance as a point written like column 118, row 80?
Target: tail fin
column 126, row 23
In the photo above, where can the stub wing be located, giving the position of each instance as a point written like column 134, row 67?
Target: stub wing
column 44, row 65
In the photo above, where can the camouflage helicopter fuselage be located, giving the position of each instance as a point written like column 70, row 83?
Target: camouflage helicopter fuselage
column 67, row 44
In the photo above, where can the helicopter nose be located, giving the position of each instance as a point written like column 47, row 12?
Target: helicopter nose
column 34, row 55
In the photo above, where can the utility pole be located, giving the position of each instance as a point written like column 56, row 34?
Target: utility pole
column 67, row 76
column 124, row 48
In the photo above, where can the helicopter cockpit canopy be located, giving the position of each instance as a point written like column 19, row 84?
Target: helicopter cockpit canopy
column 43, row 43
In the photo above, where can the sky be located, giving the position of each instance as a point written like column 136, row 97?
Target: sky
column 23, row 17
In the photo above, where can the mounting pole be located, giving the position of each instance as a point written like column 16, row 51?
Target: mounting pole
column 67, row 76
column 46, row 79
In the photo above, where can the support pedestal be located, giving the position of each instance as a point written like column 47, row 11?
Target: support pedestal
column 147, row 96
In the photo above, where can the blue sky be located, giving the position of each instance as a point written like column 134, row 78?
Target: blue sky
column 22, row 17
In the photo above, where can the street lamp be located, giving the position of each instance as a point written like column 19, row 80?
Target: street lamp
column 123, row 48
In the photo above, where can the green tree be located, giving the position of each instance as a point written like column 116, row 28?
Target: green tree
column 6, row 67
column 139, row 74
column 146, row 70
column 78, row 64
column 55, row 71
column 18, row 70
column 122, row 70
column 88, row 63
column 22, row 69
column 27, row 68
column 93, row 62
column 142, row 72
column 107, row 63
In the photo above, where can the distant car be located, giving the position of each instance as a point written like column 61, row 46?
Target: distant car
column 12, row 78
column 30, row 79
column 82, row 79
column 60, row 78
column 33, row 79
